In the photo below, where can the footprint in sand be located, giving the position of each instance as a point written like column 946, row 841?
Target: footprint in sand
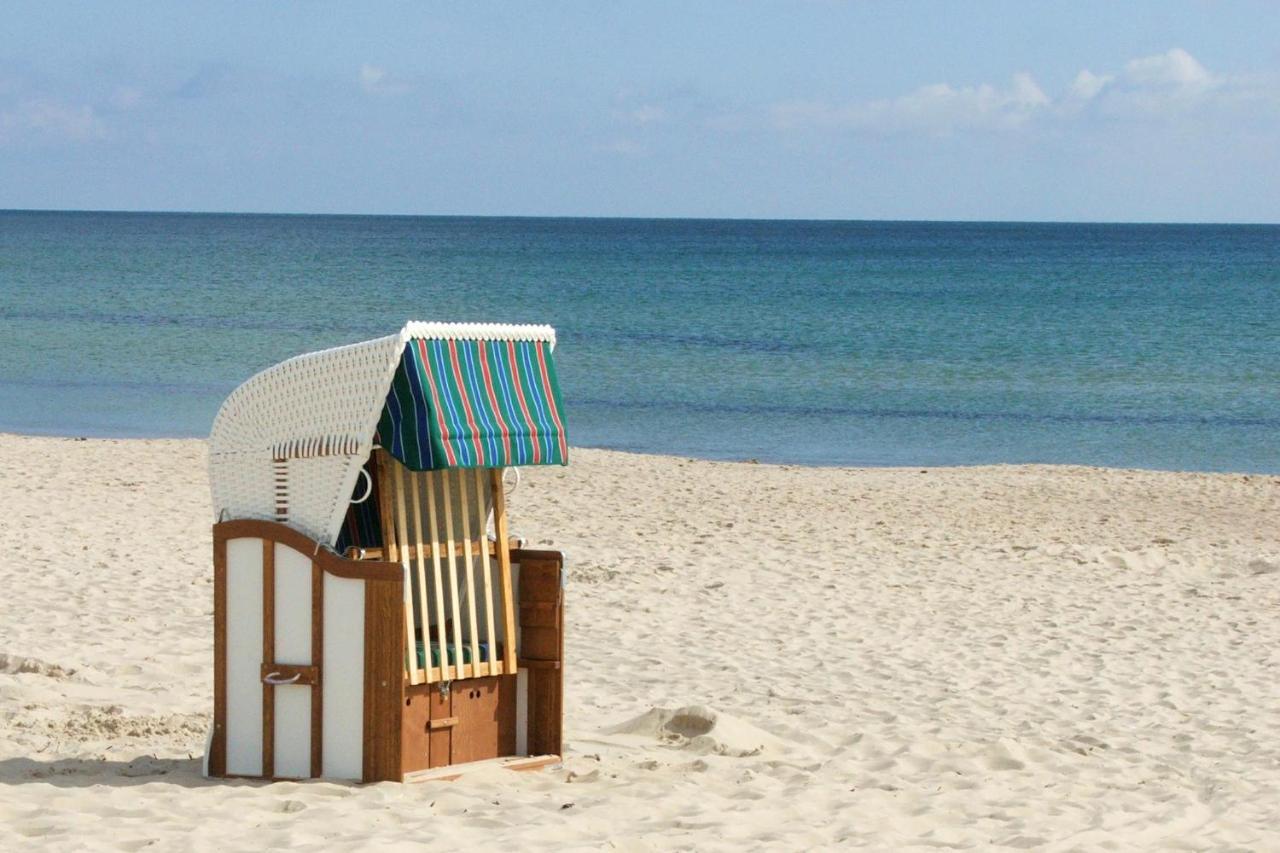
column 701, row 729
column 17, row 665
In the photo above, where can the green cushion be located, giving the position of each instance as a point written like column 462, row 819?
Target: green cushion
column 435, row 653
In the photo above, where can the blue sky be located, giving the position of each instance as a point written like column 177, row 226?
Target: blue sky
column 1155, row 111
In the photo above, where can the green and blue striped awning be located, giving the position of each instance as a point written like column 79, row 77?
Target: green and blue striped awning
column 458, row 403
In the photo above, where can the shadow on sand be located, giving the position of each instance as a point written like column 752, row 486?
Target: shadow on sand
column 86, row 772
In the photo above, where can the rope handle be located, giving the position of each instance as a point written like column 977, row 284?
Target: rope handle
column 368, row 487
column 274, row 678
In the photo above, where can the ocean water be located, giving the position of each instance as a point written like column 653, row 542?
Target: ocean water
column 858, row 343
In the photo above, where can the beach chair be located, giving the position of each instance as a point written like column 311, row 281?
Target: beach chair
column 373, row 618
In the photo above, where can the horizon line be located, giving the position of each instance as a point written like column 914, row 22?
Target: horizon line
column 331, row 214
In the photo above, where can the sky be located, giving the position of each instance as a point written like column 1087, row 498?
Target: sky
column 1139, row 111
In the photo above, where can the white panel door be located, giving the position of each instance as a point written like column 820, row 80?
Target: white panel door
column 244, row 657
column 343, row 681
column 292, row 732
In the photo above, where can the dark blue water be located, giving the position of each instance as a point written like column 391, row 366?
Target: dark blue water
column 817, row 342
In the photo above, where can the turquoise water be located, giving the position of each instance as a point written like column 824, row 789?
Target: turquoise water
column 864, row 343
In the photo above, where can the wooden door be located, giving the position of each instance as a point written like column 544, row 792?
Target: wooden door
column 441, row 736
column 268, row 639
column 415, row 735
column 485, row 709
column 473, row 720
column 542, row 646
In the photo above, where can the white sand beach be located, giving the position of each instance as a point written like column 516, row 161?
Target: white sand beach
column 758, row 656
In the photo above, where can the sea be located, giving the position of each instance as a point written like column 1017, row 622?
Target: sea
column 805, row 342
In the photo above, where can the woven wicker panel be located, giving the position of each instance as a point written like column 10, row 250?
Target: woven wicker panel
column 331, row 398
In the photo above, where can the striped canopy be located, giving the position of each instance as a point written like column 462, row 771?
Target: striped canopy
column 459, row 403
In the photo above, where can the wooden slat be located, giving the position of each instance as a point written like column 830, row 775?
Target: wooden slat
column 441, row 638
column 402, row 544
column 383, row 681
column 415, row 490
column 218, row 750
column 268, row 657
column 331, row 563
column 466, row 670
column 471, row 574
column 503, row 544
column 482, row 535
column 317, row 661
column 446, row 478
column 385, row 513
column 491, row 548
column 446, row 773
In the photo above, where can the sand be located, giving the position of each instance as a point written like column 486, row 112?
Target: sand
column 758, row 656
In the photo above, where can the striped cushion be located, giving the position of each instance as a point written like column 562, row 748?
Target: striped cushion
column 483, row 648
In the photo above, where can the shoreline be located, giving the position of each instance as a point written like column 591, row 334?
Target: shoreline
column 574, row 448
column 1088, row 223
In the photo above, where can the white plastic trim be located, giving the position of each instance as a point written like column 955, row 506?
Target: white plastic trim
column 479, row 332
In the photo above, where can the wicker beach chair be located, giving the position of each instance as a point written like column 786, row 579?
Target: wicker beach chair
column 373, row 619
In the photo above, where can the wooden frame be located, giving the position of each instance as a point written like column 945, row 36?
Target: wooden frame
column 542, row 646
column 268, row 657
column 455, row 497
column 385, row 683
column 382, row 579
column 428, row 551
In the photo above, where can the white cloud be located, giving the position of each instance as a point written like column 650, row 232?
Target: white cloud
column 1087, row 84
column 1157, row 87
column 627, row 147
column 646, row 109
column 1164, row 85
column 371, row 76
column 641, row 115
column 52, row 120
column 126, row 98
column 376, row 81
column 938, row 108
column 1176, row 68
